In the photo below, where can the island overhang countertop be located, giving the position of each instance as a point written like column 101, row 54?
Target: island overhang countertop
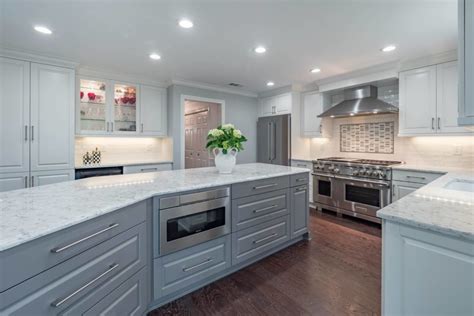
column 29, row 214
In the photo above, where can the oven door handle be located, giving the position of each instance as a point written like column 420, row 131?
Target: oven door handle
column 322, row 175
column 381, row 183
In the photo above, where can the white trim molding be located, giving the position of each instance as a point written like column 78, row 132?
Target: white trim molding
column 429, row 60
column 214, row 87
column 104, row 74
column 37, row 58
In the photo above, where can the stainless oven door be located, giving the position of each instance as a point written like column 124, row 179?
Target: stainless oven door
column 363, row 196
column 191, row 224
column 323, row 189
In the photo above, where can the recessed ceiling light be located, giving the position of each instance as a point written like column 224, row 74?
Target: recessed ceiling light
column 155, row 56
column 270, row 84
column 260, row 49
column 315, row 70
column 42, row 29
column 185, row 23
column 388, row 48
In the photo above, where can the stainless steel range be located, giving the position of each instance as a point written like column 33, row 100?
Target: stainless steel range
column 355, row 187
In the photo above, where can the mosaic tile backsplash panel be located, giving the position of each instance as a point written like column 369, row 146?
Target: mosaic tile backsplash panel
column 376, row 138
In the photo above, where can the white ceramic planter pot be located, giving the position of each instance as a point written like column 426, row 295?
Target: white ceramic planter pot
column 225, row 162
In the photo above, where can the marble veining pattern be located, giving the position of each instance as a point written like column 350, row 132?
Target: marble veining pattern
column 31, row 213
column 436, row 208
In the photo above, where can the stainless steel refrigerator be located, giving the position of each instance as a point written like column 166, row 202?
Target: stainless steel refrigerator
column 274, row 139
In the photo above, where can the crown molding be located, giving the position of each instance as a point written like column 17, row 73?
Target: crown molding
column 428, row 60
column 105, row 74
column 207, row 86
column 37, row 58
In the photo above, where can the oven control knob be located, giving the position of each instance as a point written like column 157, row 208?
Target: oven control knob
column 368, row 172
column 336, row 170
column 355, row 172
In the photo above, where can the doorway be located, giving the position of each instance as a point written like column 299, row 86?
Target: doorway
column 200, row 116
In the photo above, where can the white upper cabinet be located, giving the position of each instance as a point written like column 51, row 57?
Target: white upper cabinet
column 418, row 101
column 153, row 114
column 428, row 101
column 275, row 105
column 52, row 117
column 466, row 59
column 312, row 106
column 14, row 115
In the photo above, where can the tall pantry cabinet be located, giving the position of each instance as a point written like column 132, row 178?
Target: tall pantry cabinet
column 36, row 124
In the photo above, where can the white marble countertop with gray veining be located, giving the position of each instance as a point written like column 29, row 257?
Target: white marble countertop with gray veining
column 434, row 207
column 430, row 168
column 28, row 214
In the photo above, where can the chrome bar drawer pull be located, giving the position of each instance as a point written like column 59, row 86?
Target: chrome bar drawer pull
column 59, row 249
column 148, row 169
column 265, row 208
column 301, row 189
column 300, row 179
column 264, row 186
column 198, row 265
column 417, row 177
column 265, row 238
column 61, row 301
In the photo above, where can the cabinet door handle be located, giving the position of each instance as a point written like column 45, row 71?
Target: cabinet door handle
column 264, row 186
column 320, row 128
column 416, row 177
column 32, row 181
column 265, row 208
column 432, row 123
column 63, row 300
column 301, row 189
column 26, row 132
column 439, row 123
column 107, row 127
column 26, row 181
column 198, row 265
column 59, row 249
column 142, row 127
column 393, row 189
column 301, row 180
column 32, row 133
column 112, row 127
column 265, row 238
column 149, row 169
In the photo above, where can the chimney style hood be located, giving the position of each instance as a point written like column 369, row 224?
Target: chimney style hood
column 360, row 101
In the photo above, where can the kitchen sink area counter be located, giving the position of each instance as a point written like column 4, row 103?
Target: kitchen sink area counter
column 32, row 213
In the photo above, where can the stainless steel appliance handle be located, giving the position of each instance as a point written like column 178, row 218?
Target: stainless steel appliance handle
column 363, row 180
column 265, row 238
column 59, row 249
column 322, row 175
column 274, row 141
column 265, row 208
column 198, row 265
column 61, row 301
column 259, row 187
column 269, row 129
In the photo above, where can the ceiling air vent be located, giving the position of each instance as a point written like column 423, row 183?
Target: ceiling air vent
column 233, row 84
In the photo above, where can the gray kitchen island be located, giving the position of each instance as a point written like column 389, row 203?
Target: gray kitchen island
column 130, row 243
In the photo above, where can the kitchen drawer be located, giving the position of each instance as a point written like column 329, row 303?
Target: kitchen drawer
column 259, row 186
column 130, row 298
column 189, row 266
column 58, row 247
column 252, row 210
column 299, row 179
column 104, row 267
column 415, row 176
column 302, row 164
column 147, row 168
column 258, row 239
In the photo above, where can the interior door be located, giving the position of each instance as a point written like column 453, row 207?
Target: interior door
column 14, row 115
column 52, row 117
column 264, row 139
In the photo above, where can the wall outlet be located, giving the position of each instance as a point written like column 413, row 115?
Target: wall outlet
column 457, row 150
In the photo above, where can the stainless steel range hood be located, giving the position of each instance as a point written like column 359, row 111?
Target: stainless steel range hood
column 360, row 101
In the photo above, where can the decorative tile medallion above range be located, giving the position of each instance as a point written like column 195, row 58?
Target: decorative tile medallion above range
column 377, row 138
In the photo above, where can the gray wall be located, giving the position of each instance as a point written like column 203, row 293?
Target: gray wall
column 239, row 110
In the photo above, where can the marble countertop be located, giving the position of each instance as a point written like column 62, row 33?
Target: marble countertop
column 31, row 213
column 436, row 208
column 119, row 164
column 429, row 168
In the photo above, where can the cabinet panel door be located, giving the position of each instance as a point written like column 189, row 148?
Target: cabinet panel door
column 153, row 111
column 283, row 104
column 312, row 107
column 52, row 117
column 418, row 101
column 447, row 89
column 14, row 115
column 13, row 181
column 401, row 189
column 299, row 210
column 466, row 58
column 49, row 177
column 266, row 106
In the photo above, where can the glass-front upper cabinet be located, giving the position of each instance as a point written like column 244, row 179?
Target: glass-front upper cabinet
column 93, row 106
column 125, row 108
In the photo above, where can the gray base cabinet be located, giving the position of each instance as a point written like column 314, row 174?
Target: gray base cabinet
column 299, row 210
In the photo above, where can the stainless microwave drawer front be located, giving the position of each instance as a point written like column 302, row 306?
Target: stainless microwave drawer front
column 187, row 241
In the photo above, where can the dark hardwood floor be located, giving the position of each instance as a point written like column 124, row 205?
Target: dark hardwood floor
column 336, row 273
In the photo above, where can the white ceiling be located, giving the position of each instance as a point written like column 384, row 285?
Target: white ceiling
column 337, row 36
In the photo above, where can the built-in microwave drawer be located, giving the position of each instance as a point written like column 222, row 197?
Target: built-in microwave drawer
column 186, row 267
column 259, row 186
column 107, row 264
column 415, row 176
column 256, row 209
column 58, row 247
column 259, row 239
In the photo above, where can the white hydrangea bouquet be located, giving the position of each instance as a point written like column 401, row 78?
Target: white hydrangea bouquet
column 225, row 141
